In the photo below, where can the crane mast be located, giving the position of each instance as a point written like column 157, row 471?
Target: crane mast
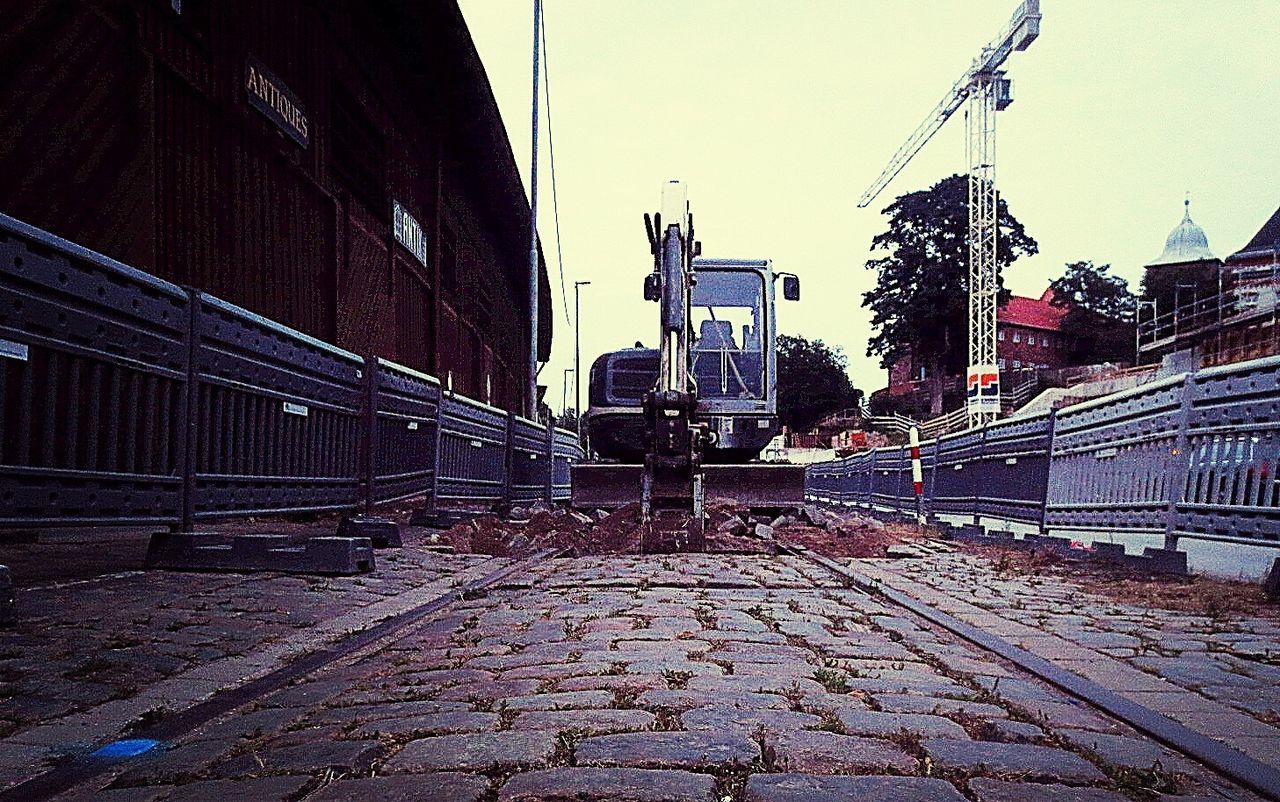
column 987, row 90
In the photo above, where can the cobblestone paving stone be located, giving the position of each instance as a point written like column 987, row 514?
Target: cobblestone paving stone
column 1231, row 665
column 105, row 651
column 762, row 679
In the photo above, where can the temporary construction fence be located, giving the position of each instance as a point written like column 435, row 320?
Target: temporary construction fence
column 126, row 399
column 1193, row 455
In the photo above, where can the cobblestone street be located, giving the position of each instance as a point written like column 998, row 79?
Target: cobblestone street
column 691, row 677
column 1214, row 671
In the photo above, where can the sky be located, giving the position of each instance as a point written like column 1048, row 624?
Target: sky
column 779, row 114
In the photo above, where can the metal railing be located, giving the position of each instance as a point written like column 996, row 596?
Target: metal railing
column 1190, row 456
column 125, row 399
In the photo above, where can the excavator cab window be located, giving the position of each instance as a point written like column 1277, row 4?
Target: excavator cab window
column 728, row 326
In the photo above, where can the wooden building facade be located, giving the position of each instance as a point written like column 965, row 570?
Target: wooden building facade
column 339, row 167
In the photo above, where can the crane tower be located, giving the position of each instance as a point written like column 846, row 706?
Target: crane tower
column 987, row 91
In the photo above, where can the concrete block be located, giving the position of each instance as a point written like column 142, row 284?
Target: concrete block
column 8, row 598
column 1165, row 561
column 1271, row 585
column 384, row 533
column 211, row 552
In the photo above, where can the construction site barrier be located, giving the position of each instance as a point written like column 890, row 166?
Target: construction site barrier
column 125, row 399
column 1192, row 455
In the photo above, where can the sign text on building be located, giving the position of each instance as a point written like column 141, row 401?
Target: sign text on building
column 409, row 232
column 269, row 95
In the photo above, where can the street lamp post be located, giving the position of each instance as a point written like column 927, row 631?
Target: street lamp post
column 577, row 357
column 564, row 390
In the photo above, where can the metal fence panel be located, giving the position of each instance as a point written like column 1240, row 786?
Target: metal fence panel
column 278, row 416
column 1013, row 469
column 473, row 451
column 566, row 451
column 1232, row 447
column 93, row 366
column 530, row 463
column 1111, row 460
column 402, row 443
column 956, row 475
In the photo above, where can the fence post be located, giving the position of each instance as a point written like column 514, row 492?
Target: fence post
column 1177, row 467
column 190, row 441
column 1048, row 468
column 974, row 483
column 508, row 460
column 549, row 491
column 933, row 477
column 871, row 480
column 436, row 456
column 369, row 429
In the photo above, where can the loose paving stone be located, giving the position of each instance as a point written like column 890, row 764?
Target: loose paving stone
column 829, row 788
column 697, row 751
column 608, row 785
column 871, row 722
column 302, row 758
column 687, row 700
column 989, row 790
column 566, row 700
column 1010, row 759
column 819, row 752
column 911, row 703
column 439, row 787
column 746, row 720
column 593, row 722
column 430, row 724
column 475, row 752
column 1119, row 750
column 266, row 789
column 392, row 710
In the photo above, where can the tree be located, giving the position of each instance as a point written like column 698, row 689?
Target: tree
column 921, row 300
column 812, row 382
column 1100, row 318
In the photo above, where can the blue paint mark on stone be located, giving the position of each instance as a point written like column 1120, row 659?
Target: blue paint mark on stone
column 128, row 747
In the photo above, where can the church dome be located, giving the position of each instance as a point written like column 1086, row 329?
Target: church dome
column 1186, row 243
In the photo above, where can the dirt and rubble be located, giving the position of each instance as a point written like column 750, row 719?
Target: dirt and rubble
column 1194, row 593
column 730, row 528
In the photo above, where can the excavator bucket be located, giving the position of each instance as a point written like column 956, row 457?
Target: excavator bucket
column 755, row 485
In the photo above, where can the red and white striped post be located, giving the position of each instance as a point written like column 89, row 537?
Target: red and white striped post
column 917, row 475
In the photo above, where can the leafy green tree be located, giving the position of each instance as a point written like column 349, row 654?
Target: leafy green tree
column 812, row 382
column 1100, row 318
column 919, row 307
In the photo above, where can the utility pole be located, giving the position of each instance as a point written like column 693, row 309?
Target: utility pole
column 577, row 357
column 531, row 407
column 564, row 390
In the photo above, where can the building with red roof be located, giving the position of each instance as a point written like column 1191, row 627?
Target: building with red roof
column 1028, row 335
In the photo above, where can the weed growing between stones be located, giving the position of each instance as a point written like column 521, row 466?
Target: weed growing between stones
column 506, row 716
column 834, row 681
column 677, row 680
column 624, row 698
column 666, row 719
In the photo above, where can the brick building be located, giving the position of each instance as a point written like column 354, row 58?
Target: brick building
column 1028, row 335
column 338, row 167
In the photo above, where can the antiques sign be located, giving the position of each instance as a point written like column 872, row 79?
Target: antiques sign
column 269, row 95
column 408, row 232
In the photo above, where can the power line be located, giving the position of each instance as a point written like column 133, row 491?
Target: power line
column 551, row 146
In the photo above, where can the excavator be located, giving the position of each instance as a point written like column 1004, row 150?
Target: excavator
column 677, row 425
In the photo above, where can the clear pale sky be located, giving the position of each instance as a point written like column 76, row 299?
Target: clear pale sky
column 779, row 114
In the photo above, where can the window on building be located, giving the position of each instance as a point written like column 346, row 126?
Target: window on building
column 1017, row 336
column 1017, row 363
column 1044, row 341
column 1000, row 364
column 1000, row 335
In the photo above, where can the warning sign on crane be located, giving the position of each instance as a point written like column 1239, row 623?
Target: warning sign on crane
column 982, row 390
